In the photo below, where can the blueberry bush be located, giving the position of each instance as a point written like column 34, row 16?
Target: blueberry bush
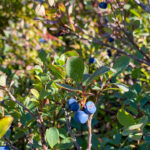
column 75, row 74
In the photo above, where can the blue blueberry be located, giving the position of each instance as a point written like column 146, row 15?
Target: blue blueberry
column 90, row 107
column 4, row 148
column 92, row 60
column 2, row 102
column 109, row 53
column 41, row 40
column 71, row 101
column 103, row 5
column 3, row 57
column 73, row 105
column 41, row 1
column 110, row 39
column 81, row 117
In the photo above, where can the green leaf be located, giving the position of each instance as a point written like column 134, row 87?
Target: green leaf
column 123, row 87
column 97, row 73
column 137, row 136
column 62, row 133
column 42, row 55
column 65, row 144
column 120, row 64
column 135, row 24
column 135, row 12
column 71, row 53
column 3, row 80
column 52, row 136
column 56, row 71
column 37, row 69
column 43, row 94
column 75, row 68
column 132, row 129
column 35, row 93
column 5, row 124
column 65, row 86
column 125, row 118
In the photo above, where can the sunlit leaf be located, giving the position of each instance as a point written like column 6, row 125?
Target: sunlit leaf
column 51, row 2
column 75, row 68
column 125, row 118
column 40, row 10
column 65, row 86
column 3, row 80
column 5, row 123
column 35, row 93
column 52, row 136
column 62, row 7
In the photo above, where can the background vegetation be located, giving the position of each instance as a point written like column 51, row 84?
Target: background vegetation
column 38, row 37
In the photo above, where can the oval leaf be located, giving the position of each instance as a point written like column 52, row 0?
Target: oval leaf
column 98, row 72
column 35, row 93
column 3, row 80
column 40, row 10
column 125, row 118
column 51, row 2
column 5, row 124
column 68, row 87
column 120, row 64
column 75, row 68
column 123, row 87
column 52, row 136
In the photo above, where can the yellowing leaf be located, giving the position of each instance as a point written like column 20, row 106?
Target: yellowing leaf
column 62, row 7
column 35, row 93
column 5, row 124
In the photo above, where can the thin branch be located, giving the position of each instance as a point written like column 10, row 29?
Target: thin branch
column 97, row 41
column 136, row 46
column 38, row 120
column 19, row 103
column 10, row 144
column 42, row 131
column 143, row 6
column 90, row 132
column 68, row 118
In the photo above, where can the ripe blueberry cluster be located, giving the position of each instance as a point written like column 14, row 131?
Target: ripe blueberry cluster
column 81, row 116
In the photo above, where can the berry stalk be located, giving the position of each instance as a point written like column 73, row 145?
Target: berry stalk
column 90, row 132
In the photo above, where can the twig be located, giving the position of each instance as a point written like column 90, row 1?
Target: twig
column 19, row 103
column 143, row 6
column 38, row 120
column 42, row 131
column 136, row 46
column 90, row 132
column 97, row 41
column 69, row 129
column 10, row 144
